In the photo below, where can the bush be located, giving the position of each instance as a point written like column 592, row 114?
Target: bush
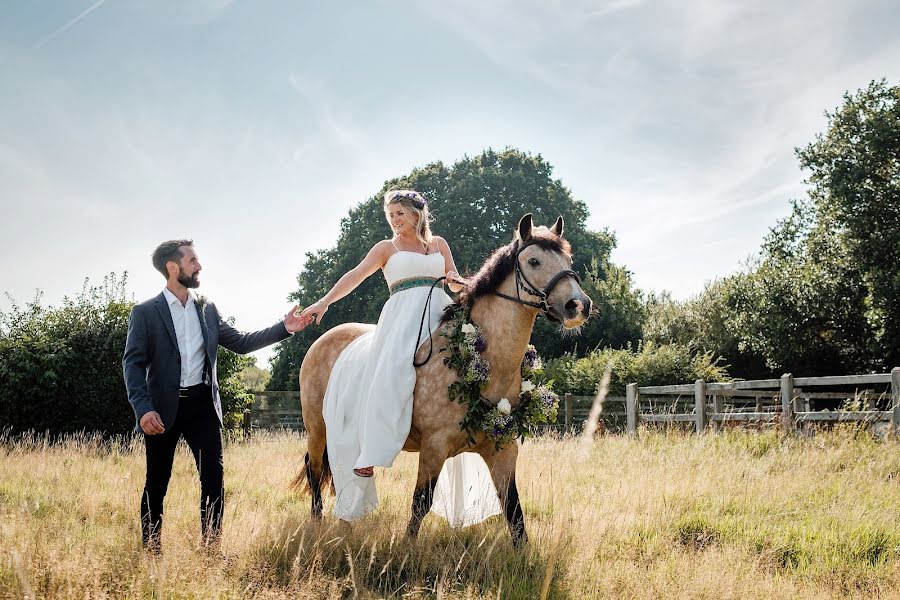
column 61, row 368
column 651, row 364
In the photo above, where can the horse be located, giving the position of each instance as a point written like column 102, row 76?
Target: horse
column 529, row 276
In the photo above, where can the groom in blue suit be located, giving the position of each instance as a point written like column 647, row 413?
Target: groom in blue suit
column 170, row 374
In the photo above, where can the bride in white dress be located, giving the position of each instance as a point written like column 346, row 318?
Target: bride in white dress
column 369, row 399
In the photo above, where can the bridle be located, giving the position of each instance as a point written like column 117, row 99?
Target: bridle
column 523, row 284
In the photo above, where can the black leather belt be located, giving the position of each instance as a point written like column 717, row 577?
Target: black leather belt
column 194, row 389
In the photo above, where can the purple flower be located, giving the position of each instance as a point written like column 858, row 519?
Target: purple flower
column 532, row 362
column 479, row 369
column 499, row 426
column 480, row 344
column 548, row 401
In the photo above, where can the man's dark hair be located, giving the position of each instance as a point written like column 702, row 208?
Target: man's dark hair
column 167, row 251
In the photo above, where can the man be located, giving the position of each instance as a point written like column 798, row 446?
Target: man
column 170, row 374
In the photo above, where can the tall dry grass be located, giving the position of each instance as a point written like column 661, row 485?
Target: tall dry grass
column 667, row 515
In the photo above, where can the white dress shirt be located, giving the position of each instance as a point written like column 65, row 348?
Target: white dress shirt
column 189, row 336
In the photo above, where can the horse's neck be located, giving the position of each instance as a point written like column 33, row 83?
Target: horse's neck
column 507, row 328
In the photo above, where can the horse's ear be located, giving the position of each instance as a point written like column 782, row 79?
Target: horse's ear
column 524, row 228
column 558, row 228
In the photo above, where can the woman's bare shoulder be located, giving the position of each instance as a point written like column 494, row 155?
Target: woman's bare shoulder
column 383, row 246
column 441, row 242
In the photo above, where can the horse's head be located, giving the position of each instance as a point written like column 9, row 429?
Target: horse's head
column 534, row 270
column 544, row 273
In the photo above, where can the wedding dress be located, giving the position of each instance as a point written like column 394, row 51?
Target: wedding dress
column 369, row 400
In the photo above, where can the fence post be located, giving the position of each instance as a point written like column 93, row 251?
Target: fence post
column 895, row 396
column 700, row 405
column 787, row 402
column 631, row 408
column 718, row 409
column 247, row 423
column 569, row 406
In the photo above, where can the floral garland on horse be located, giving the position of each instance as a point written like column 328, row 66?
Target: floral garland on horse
column 538, row 404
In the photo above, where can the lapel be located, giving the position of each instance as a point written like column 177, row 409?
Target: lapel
column 201, row 314
column 163, row 308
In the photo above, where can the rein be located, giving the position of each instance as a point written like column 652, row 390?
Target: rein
column 422, row 323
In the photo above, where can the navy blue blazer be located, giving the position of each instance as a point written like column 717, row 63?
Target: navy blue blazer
column 152, row 362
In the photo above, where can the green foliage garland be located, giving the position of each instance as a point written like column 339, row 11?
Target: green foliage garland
column 538, row 404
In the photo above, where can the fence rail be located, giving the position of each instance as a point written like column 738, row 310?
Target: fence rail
column 281, row 410
column 785, row 401
column 775, row 400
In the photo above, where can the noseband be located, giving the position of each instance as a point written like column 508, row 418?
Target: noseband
column 523, row 284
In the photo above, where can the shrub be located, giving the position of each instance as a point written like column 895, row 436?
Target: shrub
column 61, row 368
column 651, row 364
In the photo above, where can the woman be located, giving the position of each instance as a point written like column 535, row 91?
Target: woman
column 368, row 402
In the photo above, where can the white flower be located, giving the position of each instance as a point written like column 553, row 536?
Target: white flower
column 468, row 328
column 527, row 386
column 504, row 406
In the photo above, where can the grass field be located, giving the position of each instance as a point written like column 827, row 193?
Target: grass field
column 668, row 515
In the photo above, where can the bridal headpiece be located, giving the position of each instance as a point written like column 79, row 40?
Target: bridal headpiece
column 411, row 196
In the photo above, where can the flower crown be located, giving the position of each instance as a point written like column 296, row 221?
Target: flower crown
column 411, row 196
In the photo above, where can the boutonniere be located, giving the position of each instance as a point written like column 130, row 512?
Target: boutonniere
column 202, row 301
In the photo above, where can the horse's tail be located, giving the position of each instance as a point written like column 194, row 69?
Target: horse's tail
column 303, row 480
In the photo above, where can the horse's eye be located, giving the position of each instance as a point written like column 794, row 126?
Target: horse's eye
column 533, row 262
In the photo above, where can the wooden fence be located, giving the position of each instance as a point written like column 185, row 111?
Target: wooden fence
column 786, row 401
column 281, row 410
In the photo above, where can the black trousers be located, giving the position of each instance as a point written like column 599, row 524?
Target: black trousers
column 198, row 424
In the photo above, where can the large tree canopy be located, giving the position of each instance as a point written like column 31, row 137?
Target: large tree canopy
column 855, row 199
column 476, row 204
column 823, row 295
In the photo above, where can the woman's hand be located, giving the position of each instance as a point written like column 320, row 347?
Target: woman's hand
column 456, row 282
column 314, row 311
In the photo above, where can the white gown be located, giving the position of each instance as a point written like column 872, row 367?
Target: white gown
column 369, row 399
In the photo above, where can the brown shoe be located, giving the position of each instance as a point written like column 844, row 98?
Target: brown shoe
column 365, row 471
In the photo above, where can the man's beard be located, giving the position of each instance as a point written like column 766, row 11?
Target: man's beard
column 188, row 282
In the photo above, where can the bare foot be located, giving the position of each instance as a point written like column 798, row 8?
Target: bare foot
column 365, row 471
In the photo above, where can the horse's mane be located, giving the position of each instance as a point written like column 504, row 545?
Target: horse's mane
column 500, row 264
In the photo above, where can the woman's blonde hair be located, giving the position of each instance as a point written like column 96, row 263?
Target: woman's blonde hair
column 416, row 204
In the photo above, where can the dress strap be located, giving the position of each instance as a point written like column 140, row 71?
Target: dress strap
column 394, row 245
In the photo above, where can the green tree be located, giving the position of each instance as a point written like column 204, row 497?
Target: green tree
column 855, row 198
column 476, row 203
column 804, row 307
column 253, row 377
column 706, row 324
column 823, row 294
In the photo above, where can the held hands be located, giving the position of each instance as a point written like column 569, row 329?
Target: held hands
column 151, row 424
column 294, row 321
column 313, row 312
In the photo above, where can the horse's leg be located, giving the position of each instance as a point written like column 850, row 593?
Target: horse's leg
column 318, row 472
column 431, row 459
column 315, row 473
column 502, row 465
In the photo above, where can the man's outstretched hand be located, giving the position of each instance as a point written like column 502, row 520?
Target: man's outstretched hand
column 293, row 322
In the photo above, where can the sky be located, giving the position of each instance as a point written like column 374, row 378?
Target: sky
column 253, row 127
